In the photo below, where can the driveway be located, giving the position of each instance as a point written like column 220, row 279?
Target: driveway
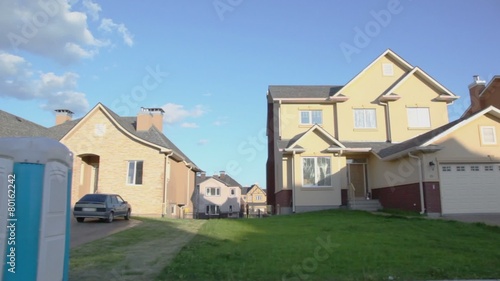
column 93, row 229
column 490, row 219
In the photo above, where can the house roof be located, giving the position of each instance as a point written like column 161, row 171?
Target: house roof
column 303, row 92
column 225, row 179
column 293, row 144
column 14, row 126
column 427, row 140
column 492, row 87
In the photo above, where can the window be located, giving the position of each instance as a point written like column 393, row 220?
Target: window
column 460, row 168
column 310, row 117
column 212, row 210
column 258, row 197
column 316, row 171
column 213, row 191
column 365, row 119
column 474, row 168
column 446, row 168
column 488, row 168
column 387, row 69
column 232, row 191
column 488, row 135
column 134, row 175
column 231, row 209
column 418, row 117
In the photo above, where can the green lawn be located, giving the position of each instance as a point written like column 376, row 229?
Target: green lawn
column 139, row 253
column 338, row 245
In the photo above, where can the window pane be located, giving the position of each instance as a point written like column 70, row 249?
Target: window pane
column 304, row 117
column 308, row 171
column 317, row 117
column 370, row 118
column 138, row 173
column 130, row 174
column 418, row 117
column 359, row 119
column 324, row 172
column 488, row 134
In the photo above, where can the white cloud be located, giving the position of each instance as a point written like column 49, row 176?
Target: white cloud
column 47, row 28
column 18, row 81
column 109, row 26
column 177, row 113
column 221, row 121
column 93, row 9
column 203, row 142
column 189, row 125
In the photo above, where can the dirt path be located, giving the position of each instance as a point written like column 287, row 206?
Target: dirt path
column 142, row 260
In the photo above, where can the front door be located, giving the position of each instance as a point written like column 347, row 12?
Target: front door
column 357, row 178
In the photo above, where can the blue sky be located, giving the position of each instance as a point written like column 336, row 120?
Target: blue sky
column 209, row 63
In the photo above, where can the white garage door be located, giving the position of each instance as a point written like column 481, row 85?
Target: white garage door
column 470, row 188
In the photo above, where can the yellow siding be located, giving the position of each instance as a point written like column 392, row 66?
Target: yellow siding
column 290, row 118
column 362, row 93
column 465, row 145
column 415, row 92
column 392, row 173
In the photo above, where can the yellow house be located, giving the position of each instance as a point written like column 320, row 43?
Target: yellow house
column 255, row 198
column 382, row 138
column 129, row 156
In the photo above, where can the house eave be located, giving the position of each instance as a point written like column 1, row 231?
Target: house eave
column 421, row 149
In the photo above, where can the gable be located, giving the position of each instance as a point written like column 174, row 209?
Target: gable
column 467, row 141
column 316, row 139
column 211, row 182
column 371, row 82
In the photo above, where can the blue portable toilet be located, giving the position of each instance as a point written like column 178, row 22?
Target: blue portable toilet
column 35, row 194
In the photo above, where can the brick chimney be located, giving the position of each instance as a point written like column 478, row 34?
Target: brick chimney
column 222, row 174
column 475, row 88
column 63, row 115
column 203, row 175
column 148, row 117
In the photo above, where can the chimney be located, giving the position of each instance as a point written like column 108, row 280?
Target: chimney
column 475, row 88
column 203, row 175
column 148, row 117
column 63, row 115
column 222, row 174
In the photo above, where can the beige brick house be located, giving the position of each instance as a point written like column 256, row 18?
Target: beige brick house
column 125, row 155
column 255, row 198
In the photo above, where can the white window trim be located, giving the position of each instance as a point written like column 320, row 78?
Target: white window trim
column 310, row 117
column 302, row 172
column 135, row 172
column 387, row 69
column 483, row 141
column 427, row 126
column 217, row 210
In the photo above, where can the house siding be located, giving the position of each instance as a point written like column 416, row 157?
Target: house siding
column 404, row 197
column 114, row 150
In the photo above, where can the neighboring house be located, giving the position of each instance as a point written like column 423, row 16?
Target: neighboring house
column 384, row 135
column 255, row 198
column 217, row 196
column 125, row 155
column 482, row 95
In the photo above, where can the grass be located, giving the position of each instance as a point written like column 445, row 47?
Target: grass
column 139, row 253
column 359, row 246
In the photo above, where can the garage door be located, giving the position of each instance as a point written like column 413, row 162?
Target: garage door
column 470, row 188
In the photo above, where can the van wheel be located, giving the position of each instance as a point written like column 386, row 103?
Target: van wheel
column 110, row 218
